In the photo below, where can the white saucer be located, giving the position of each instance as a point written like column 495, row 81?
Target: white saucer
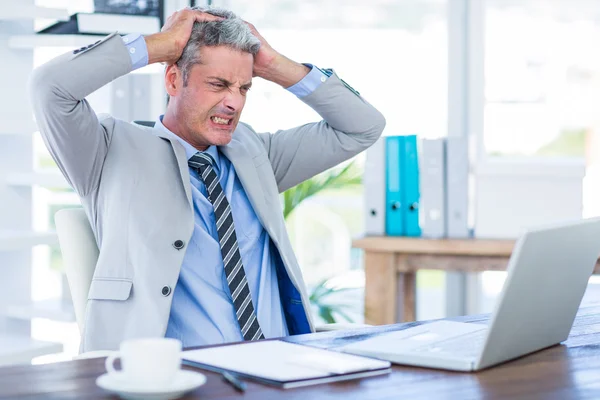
column 185, row 381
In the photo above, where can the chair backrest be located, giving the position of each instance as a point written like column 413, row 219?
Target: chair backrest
column 80, row 255
column 149, row 124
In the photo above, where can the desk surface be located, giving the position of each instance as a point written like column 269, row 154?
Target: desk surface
column 567, row 371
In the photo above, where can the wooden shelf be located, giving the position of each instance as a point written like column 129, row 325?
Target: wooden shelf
column 21, row 349
column 14, row 240
column 45, row 179
column 465, row 247
column 16, row 10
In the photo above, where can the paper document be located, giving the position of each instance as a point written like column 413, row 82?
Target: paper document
column 281, row 361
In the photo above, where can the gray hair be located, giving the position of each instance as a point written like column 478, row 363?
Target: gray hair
column 232, row 32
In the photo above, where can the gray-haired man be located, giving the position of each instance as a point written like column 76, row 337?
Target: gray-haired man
column 186, row 214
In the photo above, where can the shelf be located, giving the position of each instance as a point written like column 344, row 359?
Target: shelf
column 45, row 179
column 29, row 11
column 53, row 309
column 17, row 127
column 21, row 349
column 412, row 245
column 29, row 42
column 48, row 40
column 15, row 240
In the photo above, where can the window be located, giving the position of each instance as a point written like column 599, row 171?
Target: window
column 392, row 52
column 541, row 92
column 541, row 64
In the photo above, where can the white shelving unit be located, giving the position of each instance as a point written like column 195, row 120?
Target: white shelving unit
column 25, row 42
column 18, row 11
column 45, row 179
column 21, row 350
column 17, row 236
column 24, row 240
column 18, row 179
column 54, row 309
column 17, row 127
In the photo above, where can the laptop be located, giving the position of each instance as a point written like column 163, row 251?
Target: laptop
column 548, row 273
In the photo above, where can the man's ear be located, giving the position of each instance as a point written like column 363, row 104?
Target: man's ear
column 173, row 80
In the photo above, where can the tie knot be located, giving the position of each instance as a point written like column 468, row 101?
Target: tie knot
column 201, row 159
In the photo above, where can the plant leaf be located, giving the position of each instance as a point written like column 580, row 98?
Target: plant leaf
column 318, row 290
column 343, row 314
column 326, row 314
column 332, row 179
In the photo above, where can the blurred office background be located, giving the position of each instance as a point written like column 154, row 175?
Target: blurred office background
column 519, row 79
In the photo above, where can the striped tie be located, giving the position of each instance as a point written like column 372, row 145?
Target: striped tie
column 234, row 270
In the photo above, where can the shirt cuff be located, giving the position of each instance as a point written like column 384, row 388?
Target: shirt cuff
column 136, row 47
column 309, row 83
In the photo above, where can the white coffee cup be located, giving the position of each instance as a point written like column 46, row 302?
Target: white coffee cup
column 147, row 362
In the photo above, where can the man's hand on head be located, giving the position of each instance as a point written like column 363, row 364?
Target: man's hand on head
column 266, row 55
column 274, row 66
column 167, row 45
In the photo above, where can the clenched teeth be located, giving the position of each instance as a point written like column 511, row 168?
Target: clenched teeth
column 221, row 121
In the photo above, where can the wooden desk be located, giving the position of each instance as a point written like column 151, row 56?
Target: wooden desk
column 391, row 265
column 561, row 372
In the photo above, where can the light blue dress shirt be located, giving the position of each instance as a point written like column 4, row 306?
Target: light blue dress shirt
column 202, row 310
column 138, row 52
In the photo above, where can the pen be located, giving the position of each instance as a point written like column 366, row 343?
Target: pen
column 233, row 381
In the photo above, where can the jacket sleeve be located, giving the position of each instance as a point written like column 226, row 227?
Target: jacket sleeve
column 76, row 138
column 349, row 126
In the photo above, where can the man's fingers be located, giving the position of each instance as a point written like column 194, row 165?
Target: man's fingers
column 252, row 28
column 205, row 17
column 186, row 13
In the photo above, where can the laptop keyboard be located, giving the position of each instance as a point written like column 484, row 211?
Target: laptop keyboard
column 468, row 345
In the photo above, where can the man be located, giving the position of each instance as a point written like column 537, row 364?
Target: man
column 187, row 214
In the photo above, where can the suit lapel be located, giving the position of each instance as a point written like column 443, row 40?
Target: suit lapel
column 246, row 172
column 182, row 162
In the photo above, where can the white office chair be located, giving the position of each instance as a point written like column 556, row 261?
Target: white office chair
column 80, row 255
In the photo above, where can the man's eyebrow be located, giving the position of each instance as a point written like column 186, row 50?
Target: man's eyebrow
column 227, row 83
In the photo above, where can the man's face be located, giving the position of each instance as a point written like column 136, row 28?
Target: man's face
column 209, row 106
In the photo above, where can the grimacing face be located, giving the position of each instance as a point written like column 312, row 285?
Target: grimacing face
column 207, row 110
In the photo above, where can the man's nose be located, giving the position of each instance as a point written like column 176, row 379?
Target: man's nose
column 234, row 101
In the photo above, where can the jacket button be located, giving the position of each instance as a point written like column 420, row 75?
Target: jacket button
column 178, row 244
column 166, row 291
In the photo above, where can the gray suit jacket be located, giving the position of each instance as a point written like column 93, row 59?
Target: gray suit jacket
column 135, row 188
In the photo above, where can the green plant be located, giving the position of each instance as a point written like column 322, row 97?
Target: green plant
column 327, row 311
column 336, row 178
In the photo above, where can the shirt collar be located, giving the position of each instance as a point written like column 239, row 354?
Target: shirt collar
column 189, row 149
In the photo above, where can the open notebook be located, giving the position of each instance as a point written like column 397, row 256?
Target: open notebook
column 285, row 365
